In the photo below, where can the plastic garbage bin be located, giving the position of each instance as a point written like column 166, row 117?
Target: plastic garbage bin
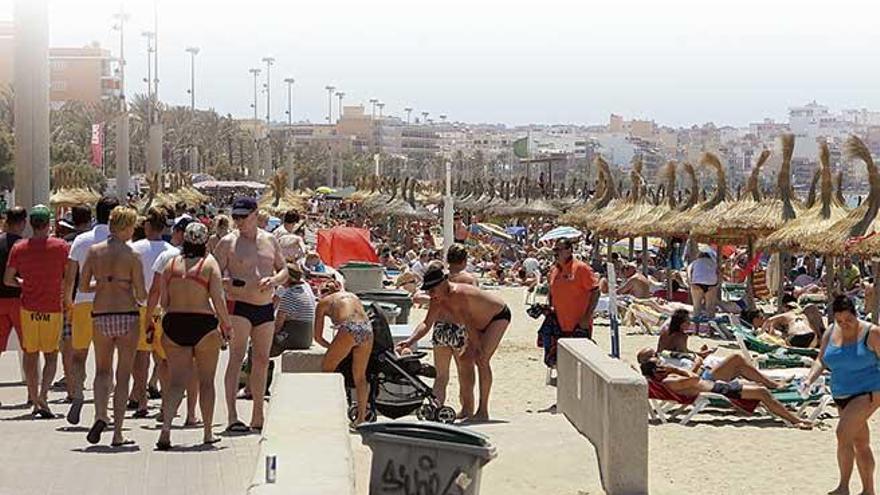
column 425, row 457
column 389, row 310
column 400, row 298
column 362, row 276
column 294, row 335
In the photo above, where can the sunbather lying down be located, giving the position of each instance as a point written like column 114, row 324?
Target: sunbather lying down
column 688, row 383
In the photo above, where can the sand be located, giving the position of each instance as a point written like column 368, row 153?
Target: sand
column 539, row 452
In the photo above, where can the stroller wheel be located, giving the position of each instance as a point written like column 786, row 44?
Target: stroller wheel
column 353, row 414
column 426, row 412
column 445, row 415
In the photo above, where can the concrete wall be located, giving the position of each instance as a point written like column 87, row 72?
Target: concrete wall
column 607, row 401
column 307, row 431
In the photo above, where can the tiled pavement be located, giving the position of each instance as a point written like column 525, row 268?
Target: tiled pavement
column 42, row 457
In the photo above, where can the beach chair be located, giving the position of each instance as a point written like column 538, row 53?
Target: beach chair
column 753, row 343
column 665, row 405
column 770, row 360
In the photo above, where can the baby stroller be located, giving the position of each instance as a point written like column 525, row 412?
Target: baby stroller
column 395, row 387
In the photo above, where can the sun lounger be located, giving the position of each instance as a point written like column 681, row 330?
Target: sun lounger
column 774, row 359
column 666, row 405
column 757, row 345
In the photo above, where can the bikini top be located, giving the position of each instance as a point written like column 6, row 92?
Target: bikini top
column 197, row 278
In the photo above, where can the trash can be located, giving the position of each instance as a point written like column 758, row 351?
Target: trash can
column 425, row 457
column 399, row 298
column 362, row 276
column 389, row 310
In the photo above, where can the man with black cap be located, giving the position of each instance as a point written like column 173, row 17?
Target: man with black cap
column 253, row 266
column 484, row 315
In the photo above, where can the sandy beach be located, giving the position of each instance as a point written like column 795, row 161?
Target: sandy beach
column 539, row 452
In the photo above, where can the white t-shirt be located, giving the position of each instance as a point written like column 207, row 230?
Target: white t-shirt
column 80, row 249
column 163, row 259
column 149, row 251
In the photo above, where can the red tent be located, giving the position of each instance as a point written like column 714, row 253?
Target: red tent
column 339, row 245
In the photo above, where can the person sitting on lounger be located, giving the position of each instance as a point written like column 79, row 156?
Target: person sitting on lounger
column 687, row 383
column 803, row 329
column 673, row 337
column 637, row 284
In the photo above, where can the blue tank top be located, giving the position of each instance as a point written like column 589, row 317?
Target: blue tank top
column 855, row 368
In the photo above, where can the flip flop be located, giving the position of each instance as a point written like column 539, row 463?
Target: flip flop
column 44, row 414
column 141, row 413
column 127, row 441
column 74, row 412
column 238, row 427
column 212, row 441
column 163, row 446
column 94, row 435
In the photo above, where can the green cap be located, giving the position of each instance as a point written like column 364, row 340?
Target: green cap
column 40, row 212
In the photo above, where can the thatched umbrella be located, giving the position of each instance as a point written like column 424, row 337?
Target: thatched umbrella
column 589, row 215
column 836, row 240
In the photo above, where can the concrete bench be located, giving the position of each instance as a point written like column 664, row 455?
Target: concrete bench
column 607, row 401
column 307, row 431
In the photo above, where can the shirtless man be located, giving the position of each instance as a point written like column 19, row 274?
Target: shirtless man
column 798, row 330
column 354, row 335
column 448, row 339
column 484, row 315
column 253, row 266
column 118, row 286
column 636, row 285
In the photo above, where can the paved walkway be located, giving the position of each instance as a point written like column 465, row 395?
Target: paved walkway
column 51, row 457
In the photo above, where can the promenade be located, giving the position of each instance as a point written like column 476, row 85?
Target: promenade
column 47, row 457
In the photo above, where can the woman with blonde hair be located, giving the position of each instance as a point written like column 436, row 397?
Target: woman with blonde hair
column 112, row 270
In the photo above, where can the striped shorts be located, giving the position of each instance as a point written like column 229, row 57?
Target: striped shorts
column 114, row 325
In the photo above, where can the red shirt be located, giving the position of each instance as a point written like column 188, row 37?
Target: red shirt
column 40, row 263
column 570, row 288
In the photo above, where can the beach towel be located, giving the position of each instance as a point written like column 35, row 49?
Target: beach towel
column 658, row 391
column 549, row 334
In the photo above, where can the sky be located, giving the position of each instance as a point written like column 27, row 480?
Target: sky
column 486, row 61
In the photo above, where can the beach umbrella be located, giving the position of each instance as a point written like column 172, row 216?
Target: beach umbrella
column 325, row 190
column 564, row 232
column 492, row 230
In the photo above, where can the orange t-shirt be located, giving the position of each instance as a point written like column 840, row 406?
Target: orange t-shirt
column 570, row 288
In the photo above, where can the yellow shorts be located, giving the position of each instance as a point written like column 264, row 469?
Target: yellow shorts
column 156, row 346
column 81, row 336
column 41, row 332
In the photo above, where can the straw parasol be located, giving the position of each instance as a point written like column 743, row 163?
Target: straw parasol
column 815, row 221
column 642, row 225
column 278, row 198
column 588, row 215
column 613, row 223
column 679, row 223
column 836, row 240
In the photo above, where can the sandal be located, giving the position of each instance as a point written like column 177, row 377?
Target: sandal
column 94, row 435
column 124, row 442
column 212, row 441
column 238, row 427
column 44, row 414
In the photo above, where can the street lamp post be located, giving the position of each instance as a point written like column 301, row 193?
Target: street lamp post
column 255, row 72
column 408, row 111
column 340, row 95
column 330, row 90
column 123, row 171
column 289, row 81
column 193, row 51
column 150, row 36
column 373, row 102
column 269, row 61
column 425, row 117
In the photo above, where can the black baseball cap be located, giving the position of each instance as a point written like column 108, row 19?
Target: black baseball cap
column 434, row 276
column 244, row 206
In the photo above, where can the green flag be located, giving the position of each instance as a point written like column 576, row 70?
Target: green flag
column 521, row 148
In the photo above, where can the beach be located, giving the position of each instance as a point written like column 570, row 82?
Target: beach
column 539, row 452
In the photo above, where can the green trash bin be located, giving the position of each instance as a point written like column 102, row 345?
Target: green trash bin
column 425, row 457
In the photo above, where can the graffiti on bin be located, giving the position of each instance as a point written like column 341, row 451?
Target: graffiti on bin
column 422, row 479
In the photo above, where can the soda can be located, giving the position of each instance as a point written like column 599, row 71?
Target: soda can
column 271, row 468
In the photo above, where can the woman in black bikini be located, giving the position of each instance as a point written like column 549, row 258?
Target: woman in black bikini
column 190, row 284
